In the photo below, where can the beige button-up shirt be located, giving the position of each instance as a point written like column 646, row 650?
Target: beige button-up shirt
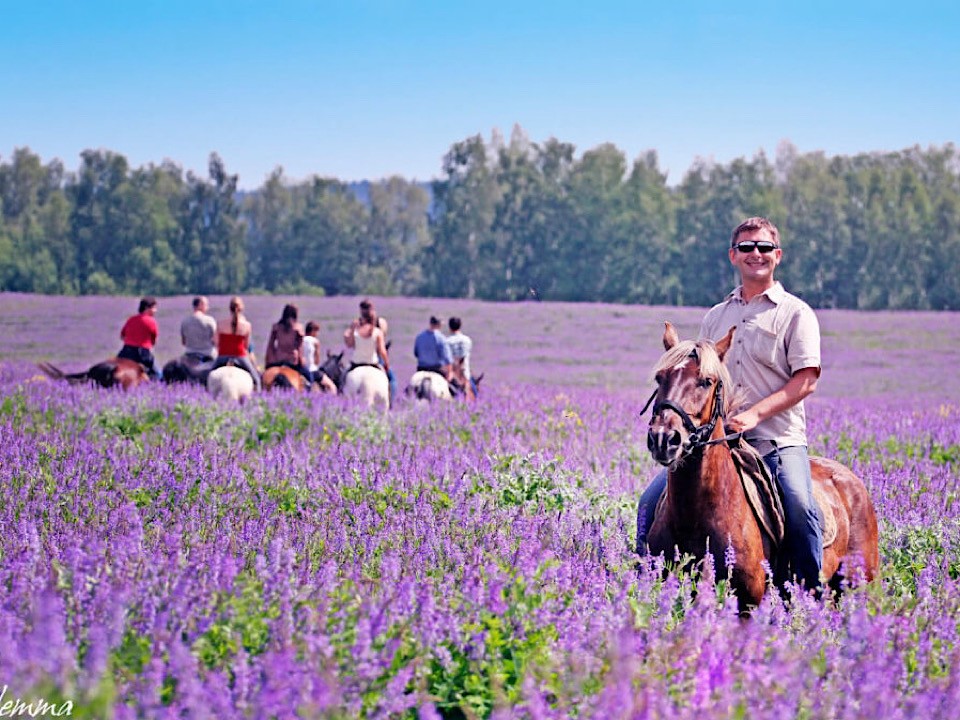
column 777, row 335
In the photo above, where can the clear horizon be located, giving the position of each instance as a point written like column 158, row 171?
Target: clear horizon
column 378, row 88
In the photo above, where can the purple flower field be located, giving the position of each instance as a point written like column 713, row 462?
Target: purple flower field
column 165, row 556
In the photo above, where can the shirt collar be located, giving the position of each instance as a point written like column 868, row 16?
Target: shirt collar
column 774, row 294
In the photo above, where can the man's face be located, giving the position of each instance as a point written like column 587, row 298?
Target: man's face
column 203, row 306
column 755, row 266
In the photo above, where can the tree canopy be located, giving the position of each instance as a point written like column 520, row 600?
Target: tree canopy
column 505, row 219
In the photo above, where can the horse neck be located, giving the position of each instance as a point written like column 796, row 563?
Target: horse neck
column 705, row 481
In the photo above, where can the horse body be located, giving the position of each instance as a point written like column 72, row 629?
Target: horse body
column 370, row 385
column 229, row 383
column 705, row 508
column 187, row 369
column 281, row 376
column 428, row 385
column 109, row 373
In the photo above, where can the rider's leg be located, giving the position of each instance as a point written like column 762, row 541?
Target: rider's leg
column 307, row 375
column 326, row 383
column 392, row 382
column 247, row 365
column 791, row 467
column 647, row 508
column 150, row 363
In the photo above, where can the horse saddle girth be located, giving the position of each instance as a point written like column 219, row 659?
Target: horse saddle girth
column 764, row 496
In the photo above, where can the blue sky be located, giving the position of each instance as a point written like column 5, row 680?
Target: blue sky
column 365, row 89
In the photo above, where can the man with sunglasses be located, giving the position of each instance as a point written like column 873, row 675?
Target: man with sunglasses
column 774, row 363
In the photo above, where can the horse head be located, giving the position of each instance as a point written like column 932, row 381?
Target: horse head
column 333, row 367
column 690, row 377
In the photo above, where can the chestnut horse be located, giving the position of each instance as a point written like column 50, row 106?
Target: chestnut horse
column 283, row 377
column 705, row 505
column 109, row 373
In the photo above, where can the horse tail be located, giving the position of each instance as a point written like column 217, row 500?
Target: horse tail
column 51, row 371
column 56, row 373
column 424, row 388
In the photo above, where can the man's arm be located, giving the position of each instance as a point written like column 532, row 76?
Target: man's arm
column 800, row 385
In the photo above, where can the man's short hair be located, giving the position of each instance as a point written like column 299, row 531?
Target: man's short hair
column 756, row 223
column 434, row 321
column 147, row 302
column 198, row 301
column 366, row 305
column 454, row 324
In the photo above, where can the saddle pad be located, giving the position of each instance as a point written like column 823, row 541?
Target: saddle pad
column 761, row 491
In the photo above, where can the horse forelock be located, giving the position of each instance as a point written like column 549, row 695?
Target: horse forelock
column 703, row 352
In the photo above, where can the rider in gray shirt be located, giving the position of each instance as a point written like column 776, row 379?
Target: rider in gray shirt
column 198, row 332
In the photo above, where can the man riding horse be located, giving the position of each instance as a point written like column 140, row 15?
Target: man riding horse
column 774, row 363
column 139, row 335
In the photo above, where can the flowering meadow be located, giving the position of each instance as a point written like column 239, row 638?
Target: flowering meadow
column 166, row 556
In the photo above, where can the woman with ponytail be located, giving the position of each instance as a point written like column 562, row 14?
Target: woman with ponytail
column 233, row 342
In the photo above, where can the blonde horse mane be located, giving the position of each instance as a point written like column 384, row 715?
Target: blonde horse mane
column 711, row 366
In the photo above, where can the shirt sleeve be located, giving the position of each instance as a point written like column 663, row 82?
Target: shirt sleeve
column 708, row 326
column 803, row 341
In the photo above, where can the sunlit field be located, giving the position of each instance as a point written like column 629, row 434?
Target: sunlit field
column 163, row 555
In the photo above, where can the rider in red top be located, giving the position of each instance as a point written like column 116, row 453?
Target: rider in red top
column 139, row 334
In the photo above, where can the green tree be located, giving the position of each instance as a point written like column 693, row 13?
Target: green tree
column 213, row 238
column 465, row 203
column 397, row 234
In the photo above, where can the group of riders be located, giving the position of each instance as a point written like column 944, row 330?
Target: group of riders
column 210, row 344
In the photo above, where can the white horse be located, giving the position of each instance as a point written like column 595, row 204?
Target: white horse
column 230, row 383
column 428, row 385
column 370, row 385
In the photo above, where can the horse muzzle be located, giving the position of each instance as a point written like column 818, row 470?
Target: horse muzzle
column 665, row 444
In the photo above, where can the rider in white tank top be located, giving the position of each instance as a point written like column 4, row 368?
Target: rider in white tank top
column 365, row 348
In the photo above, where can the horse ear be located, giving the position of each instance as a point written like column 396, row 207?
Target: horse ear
column 723, row 344
column 478, row 378
column 670, row 337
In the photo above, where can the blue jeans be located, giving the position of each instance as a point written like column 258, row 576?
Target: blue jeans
column 142, row 356
column 791, row 467
column 392, row 382
column 243, row 363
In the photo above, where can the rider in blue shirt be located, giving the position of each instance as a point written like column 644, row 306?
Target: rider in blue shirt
column 431, row 350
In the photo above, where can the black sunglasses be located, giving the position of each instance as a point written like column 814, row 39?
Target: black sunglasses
column 764, row 246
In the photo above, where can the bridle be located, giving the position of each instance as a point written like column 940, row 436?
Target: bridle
column 699, row 435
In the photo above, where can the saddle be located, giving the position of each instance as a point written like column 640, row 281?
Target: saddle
column 195, row 365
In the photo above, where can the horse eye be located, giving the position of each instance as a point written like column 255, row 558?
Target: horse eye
column 704, row 382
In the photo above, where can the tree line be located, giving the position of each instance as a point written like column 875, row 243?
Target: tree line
column 506, row 220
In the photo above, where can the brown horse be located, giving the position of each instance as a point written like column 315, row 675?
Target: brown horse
column 109, row 373
column 705, row 505
column 458, row 380
column 283, row 377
